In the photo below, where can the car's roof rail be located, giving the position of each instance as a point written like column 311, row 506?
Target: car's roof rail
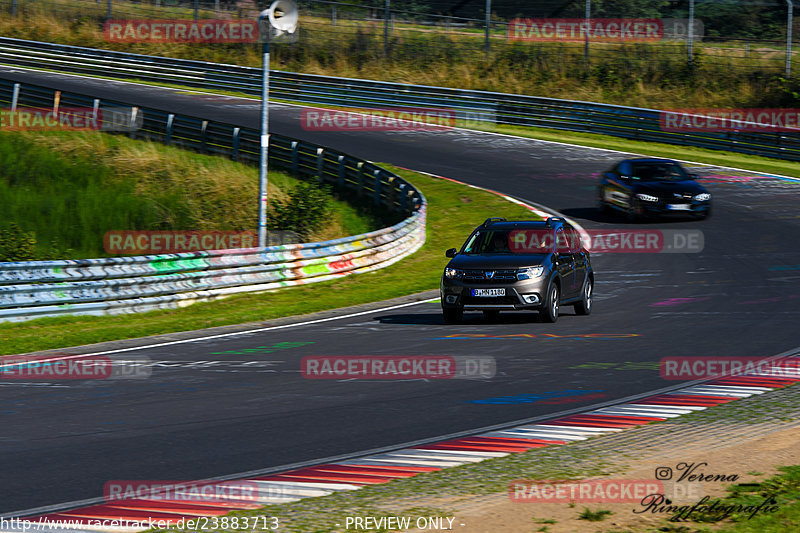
column 552, row 220
column 492, row 220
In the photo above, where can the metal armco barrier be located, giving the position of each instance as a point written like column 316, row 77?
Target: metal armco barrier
column 117, row 285
column 628, row 122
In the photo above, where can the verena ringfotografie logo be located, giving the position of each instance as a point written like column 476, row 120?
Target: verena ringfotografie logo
column 69, row 366
column 172, row 242
column 181, row 31
column 716, row 120
column 69, row 119
column 401, row 367
column 681, row 368
column 584, row 491
column 625, row 241
column 181, row 491
column 395, row 119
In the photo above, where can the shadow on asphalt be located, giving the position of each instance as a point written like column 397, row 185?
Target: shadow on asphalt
column 436, row 319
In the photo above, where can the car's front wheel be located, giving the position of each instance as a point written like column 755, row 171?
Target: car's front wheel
column 452, row 315
column 584, row 306
column 549, row 310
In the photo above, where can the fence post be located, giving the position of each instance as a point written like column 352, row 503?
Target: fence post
column 56, row 101
column 377, row 186
column 14, row 8
column 789, row 16
column 15, row 97
column 196, row 8
column 340, row 183
column 320, row 165
column 588, row 16
column 487, row 22
column 170, row 120
column 690, row 47
column 235, row 154
column 386, row 28
column 108, row 10
column 333, row 16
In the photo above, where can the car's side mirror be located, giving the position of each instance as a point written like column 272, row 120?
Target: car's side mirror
column 451, row 252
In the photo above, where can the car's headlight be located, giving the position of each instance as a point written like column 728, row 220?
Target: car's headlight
column 647, row 197
column 530, row 273
column 453, row 273
column 703, row 197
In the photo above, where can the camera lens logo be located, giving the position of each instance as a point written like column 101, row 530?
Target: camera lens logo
column 663, row 473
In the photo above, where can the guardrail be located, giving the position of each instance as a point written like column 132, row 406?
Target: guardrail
column 133, row 284
column 628, row 122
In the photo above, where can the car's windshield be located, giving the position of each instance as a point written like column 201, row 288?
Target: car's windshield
column 658, row 172
column 517, row 241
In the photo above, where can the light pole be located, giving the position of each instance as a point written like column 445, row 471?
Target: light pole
column 280, row 19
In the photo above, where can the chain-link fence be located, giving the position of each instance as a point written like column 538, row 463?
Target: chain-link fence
column 743, row 35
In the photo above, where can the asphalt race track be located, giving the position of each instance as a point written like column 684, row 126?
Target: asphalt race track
column 209, row 411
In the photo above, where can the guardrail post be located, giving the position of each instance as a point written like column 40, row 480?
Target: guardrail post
column 320, row 165
column 295, row 144
column 340, row 183
column 132, row 127
column 203, row 132
column 96, row 112
column 360, row 190
column 403, row 198
column 390, row 194
column 15, row 97
column 235, row 153
column 170, row 120
column 377, row 187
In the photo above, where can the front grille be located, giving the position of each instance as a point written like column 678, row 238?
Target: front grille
column 481, row 276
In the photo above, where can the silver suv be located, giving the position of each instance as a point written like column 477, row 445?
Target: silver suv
column 518, row 265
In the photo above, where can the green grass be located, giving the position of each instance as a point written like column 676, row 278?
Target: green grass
column 594, row 516
column 70, row 188
column 783, row 488
column 453, row 211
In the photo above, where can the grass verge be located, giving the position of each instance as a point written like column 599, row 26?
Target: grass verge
column 453, row 211
column 110, row 182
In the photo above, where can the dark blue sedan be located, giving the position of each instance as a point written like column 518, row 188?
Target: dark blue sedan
column 642, row 188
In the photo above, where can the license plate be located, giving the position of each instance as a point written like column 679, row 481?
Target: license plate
column 679, row 207
column 488, row 292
